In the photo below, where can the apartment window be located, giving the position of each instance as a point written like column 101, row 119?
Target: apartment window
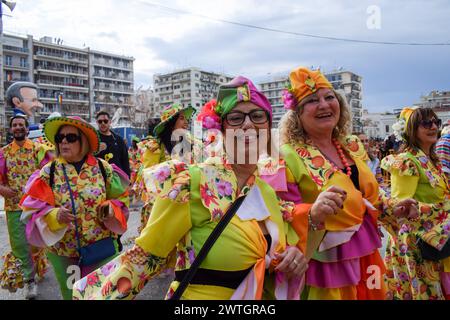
column 197, row 75
column 387, row 128
column 23, row 62
column 8, row 60
column 24, row 76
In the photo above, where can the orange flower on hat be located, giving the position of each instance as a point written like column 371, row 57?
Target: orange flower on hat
column 305, row 82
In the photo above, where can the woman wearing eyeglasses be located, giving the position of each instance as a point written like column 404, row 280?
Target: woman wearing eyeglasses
column 417, row 256
column 255, row 256
column 77, row 204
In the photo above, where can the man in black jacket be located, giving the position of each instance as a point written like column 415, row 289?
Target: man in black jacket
column 112, row 148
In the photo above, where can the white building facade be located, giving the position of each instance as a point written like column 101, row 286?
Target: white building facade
column 191, row 86
column 73, row 81
column 345, row 82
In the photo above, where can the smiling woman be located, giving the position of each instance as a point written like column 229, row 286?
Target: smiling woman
column 255, row 256
column 334, row 189
column 419, row 250
column 75, row 205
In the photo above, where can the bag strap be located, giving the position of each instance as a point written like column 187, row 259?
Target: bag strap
column 52, row 174
column 102, row 170
column 207, row 247
column 73, row 210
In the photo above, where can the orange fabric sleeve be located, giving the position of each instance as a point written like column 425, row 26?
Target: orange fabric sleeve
column 300, row 224
column 40, row 190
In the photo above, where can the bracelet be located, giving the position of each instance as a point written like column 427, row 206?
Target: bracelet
column 313, row 226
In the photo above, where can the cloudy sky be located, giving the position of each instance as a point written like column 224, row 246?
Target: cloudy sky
column 172, row 34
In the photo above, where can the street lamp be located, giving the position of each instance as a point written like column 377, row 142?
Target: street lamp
column 11, row 5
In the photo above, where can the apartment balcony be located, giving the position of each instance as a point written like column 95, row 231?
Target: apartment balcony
column 66, row 99
column 117, row 89
column 62, row 85
column 114, row 104
column 356, row 79
column 7, row 83
column 39, row 55
column 113, row 100
column 107, row 64
column 109, row 76
column 60, row 71
column 22, row 51
column 17, row 66
column 70, row 110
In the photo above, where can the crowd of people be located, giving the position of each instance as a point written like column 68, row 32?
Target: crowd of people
column 239, row 211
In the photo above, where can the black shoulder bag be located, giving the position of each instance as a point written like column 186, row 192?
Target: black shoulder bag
column 431, row 253
column 206, row 248
column 97, row 251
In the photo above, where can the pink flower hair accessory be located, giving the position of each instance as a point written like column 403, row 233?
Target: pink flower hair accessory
column 208, row 116
column 289, row 100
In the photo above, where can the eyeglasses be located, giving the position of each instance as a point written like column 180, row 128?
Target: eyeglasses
column 427, row 124
column 237, row 118
column 103, row 121
column 70, row 137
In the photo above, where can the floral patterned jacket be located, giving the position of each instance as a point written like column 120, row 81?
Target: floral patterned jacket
column 41, row 202
column 414, row 176
column 153, row 152
column 191, row 201
column 17, row 164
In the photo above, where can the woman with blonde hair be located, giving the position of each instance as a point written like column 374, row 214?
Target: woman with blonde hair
column 76, row 205
column 329, row 179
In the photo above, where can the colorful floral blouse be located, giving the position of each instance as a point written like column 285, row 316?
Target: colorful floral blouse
column 153, row 152
column 134, row 158
column 17, row 164
column 41, row 202
column 410, row 276
column 191, row 201
column 348, row 243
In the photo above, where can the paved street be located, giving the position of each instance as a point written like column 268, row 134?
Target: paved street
column 48, row 288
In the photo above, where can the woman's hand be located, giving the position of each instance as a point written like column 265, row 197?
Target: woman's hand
column 292, row 262
column 103, row 212
column 406, row 208
column 327, row 203
column 64, row 214
column 7, row 192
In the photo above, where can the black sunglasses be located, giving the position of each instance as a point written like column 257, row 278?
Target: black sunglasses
column 427, row 124
column 103, row 121
column 236, row 118
column 70, row 137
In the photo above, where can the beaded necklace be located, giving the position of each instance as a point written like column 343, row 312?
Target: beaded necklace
column 342, row 157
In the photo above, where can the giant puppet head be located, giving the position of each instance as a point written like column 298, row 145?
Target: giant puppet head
column 23, row 97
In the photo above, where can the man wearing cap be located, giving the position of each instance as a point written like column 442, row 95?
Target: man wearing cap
column 18, row 161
